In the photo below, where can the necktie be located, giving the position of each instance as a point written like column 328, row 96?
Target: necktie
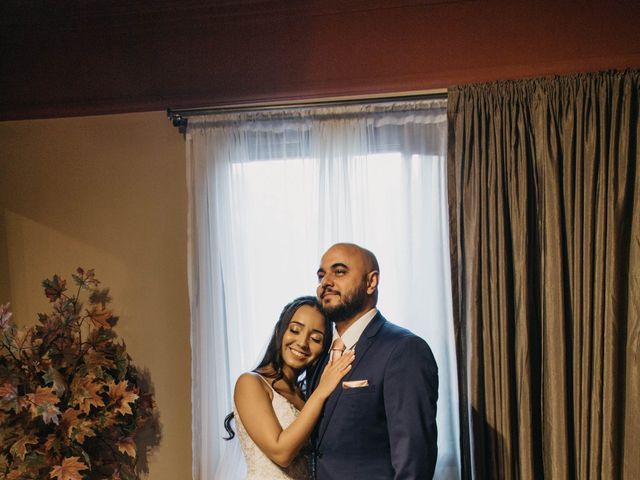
column 337, row 349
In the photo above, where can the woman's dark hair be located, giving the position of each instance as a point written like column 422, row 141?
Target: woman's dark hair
column 273, row 354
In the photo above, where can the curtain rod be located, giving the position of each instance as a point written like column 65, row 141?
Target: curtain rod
column 179, row 116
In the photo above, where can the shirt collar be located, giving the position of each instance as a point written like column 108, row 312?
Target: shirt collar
column 353, row 333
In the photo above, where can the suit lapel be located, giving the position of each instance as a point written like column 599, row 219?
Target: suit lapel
column 362, row 346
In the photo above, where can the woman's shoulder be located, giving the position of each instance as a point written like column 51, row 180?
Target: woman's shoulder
column 252, row 383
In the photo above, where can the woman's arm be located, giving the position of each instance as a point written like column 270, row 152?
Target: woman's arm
column 254, row 406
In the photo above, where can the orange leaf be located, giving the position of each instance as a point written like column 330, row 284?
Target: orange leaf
column 127, row 445
column 43, row 395
column 100, row 317
column 94, row 359
column 49, row 443
column 70, row 417
column 121, row 397
column 19, row 448
column 85, row 394
column 69, row 469
column 81, row 431
column 8, row 392
column 43, row 402
column 15, row 474
column 54, row 377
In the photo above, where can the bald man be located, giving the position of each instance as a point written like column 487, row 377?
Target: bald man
column 380, row 423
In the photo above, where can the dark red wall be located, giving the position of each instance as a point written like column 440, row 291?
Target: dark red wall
column 63, row 57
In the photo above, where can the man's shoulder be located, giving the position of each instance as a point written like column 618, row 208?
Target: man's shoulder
column 400, row 337
column 396, row 332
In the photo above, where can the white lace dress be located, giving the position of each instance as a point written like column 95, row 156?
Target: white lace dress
column 259, row 467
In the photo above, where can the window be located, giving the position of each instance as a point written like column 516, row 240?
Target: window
column 269, row 192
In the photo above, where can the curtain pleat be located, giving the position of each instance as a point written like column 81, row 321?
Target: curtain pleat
column 544, row 203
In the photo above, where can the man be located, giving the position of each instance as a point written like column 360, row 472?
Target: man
column 381, row 422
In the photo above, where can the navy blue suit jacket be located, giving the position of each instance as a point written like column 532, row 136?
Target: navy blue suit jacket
column 386, row 430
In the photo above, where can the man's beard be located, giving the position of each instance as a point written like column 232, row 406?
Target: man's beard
column 350, row 306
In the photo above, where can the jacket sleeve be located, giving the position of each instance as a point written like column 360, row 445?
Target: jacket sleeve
column 410, row 395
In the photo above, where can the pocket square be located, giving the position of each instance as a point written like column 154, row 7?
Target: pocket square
column 355, row 384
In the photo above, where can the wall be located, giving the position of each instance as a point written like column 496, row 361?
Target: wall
column 107, row 193
column 76, row 58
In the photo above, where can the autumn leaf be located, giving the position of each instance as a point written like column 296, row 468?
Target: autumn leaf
column 8, row 392
column 72, row 424
column 95, row 359
column 55, row 377
column 100, row 297
column 100, row 317
column 85, row 393
column 48, row 444
column 23, row 403
column 42, row 396
column 43, row 402
column 69, row 469
column 101, row 337
column 50, row 413
column 19, row 448
column 70, row 416
column 54, row 288
column 84, row 279
column 82, row 430
column 121, row 397
column 15, row 474
column 128, row 446
column 5, row 316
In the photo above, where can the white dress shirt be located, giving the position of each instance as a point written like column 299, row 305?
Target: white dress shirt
column 352, row 335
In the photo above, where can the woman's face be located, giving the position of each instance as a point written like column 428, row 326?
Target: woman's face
column 302, row 341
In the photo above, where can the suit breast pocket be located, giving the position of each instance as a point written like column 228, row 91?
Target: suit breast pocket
column 369, row 389
column 359, row 402
column 359, row 408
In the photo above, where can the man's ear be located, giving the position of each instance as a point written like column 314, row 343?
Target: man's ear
column 372, row 281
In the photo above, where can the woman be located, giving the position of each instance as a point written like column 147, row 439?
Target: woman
column 273, row 420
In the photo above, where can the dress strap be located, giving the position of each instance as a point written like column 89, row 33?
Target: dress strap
column 267, row 382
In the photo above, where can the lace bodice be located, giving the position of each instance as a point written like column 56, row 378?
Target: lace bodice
column 259, row 467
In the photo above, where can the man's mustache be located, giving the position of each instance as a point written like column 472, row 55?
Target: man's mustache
column 326, row 290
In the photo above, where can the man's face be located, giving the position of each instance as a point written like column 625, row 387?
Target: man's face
column 342, row 283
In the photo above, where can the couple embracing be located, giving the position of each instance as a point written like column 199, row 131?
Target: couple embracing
column 357, row 403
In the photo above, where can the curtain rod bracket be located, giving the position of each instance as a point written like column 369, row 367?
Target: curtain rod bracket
column 177, row 120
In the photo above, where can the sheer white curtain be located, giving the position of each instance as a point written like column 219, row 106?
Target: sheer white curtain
column 268, row 193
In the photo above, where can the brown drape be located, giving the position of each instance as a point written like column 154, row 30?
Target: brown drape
column 544, row 199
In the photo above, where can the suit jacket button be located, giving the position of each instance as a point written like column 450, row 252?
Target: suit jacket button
column 319, row 455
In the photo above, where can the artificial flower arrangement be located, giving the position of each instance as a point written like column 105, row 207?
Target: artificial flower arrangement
column 71, row 402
